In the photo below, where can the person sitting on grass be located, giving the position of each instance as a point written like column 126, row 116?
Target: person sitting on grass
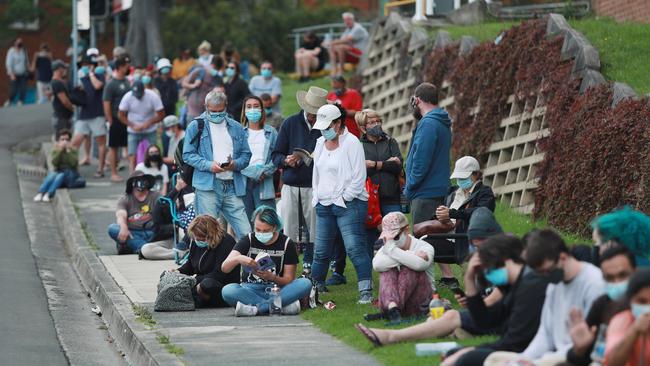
column 65, row 160
column 251, row 297
column 628, row 334
column 210, row 246
column 135, row 226
column 402, row 262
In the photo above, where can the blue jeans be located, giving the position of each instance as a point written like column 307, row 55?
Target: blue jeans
column 223, row 201
column 252, row 199
column 134, row 139
column 52, row 182
column 351, row 222
column 255, row 293
column 136, row 241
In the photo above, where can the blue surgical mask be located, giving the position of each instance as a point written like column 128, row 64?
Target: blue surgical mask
column 214, row 72
column 254, row 115
column 640, row 309
column 136, row 77
column 497, row 276
column 230, row 72
column 615, row 290
column 201, row 244
column 165, row 70
column 85, row 70
column 146, row 80
column 266, row 73
column 216, row 117
column 465, row 183
column 264, row 237
column 100, row 70
column 329, row 134
column 268, row 111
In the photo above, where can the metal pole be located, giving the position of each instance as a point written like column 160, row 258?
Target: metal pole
column 93, row 33
column 75, row 42
column 116, row 29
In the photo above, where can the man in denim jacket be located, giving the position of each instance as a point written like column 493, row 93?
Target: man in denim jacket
column 221, row 155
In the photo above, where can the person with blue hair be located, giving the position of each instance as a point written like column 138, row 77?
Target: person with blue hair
column 251, row 297
column 627, row 227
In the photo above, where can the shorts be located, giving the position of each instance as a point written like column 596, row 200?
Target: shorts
column 353, row 55
column 117, row 135
column 59, row 123
column 134, row 140
column 95, row 127
column 467, row 323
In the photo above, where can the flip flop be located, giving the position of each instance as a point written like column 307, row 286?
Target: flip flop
column 98, row 175
column 369, row 334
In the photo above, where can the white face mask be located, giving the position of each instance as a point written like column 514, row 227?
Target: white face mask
column 169, row 133
column 401, row 241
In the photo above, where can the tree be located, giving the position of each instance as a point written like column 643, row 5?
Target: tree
column 143, row 39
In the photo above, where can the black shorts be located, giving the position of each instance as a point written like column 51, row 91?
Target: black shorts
column 467, row 324
column 444, row 251
column 117, row 136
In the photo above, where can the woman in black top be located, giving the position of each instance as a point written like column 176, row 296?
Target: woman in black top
column 209, row 248
column 310, row 56
column 236, row 90
column 259, row 274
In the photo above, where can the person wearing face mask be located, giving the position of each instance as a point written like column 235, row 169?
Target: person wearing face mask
column 427, row 163
column 628, row 227
column 404, row 264
column 205, row 55
column 340, row 199
column 461, row 202
column 42, row 66
column 17, row 65
column 181, row 65
column 251, row 297
column 349, row 99
column 147, row 80
column 267, row 83
column 261, row 140
column 200, row 81
column 618, row 265
column 175, row 134
column 628, row 334
column 236, row 90
column 217, row 147
column 573, row 285
column 273, row 119
column 153, row 165
column 166, row 86
column 210, row 245
column 135, row 226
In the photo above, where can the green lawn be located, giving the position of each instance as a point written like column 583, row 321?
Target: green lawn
column 290, row 87
column 622, row 46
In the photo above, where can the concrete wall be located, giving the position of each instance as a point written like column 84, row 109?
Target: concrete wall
column 623, row 10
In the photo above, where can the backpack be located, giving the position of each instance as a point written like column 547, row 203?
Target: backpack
column 185, row 170
column 175, row 292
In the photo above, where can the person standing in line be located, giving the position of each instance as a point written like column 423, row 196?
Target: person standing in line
column 113, row 93
column 236, row 90
column 266, row 83
column 63, row 108
column 17, row 65
column 42, row 67
column 349, row 99
column 182, row 65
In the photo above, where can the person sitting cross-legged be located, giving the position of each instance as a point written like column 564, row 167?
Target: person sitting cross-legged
column 251, row 297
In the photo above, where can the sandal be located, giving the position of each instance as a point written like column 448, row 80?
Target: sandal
column 369, row 334
column 98, row 175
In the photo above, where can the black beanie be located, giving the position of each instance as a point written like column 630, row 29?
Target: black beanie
column 483, row 224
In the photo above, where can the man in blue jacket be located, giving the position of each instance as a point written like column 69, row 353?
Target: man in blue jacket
column 218, row 155
column 297, row 132
column 427, row 163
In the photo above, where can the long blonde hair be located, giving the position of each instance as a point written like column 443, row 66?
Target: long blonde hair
column 208, row 228
column 362, row 116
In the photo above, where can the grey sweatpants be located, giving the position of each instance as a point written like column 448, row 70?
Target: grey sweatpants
column 158, row 250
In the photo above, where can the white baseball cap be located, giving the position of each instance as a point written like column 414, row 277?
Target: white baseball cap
column 464, row 167
column 163, row 62
column 325, row 115
column 92, row 52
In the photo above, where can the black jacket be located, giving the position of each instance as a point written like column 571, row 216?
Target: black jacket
column 388, row 176
column 482, row 196
column 206, row 262
column 236, row 91
column 294, row 133
column 518, row 313
column 168, row 94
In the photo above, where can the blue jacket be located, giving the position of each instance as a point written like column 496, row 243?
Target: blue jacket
column 203, row 178
column 267, row 190
column 427, row 164
column 295, row 133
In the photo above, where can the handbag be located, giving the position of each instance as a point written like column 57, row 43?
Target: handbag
column 432, row 227
column 175, row 292
column 373, row 218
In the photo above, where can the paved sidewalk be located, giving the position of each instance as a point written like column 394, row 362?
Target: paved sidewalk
column 207, row 336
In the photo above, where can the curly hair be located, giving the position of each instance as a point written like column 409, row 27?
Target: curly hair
column 207, row 228
column 361, row 117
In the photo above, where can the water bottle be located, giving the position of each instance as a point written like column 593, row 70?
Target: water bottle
column 436, row 307
column 431, row 349
column 598, row 354
column 275, row 301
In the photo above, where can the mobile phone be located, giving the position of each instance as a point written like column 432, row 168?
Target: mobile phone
column 223, row 165
column 458, row 291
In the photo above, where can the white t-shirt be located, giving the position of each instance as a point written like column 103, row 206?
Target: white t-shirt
column 221, row 146
column 161, row 175
column 140, row 110
column 328, row 163
column 256, row 142
column 273, row 86
column 173, row 144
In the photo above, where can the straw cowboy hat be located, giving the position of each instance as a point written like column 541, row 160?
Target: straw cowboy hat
column 312, row 99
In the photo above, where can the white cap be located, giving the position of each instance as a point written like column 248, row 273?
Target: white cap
column 325, row 115
column 163, row 62
column 464, row 167
column 92, row 52
column 170, row 120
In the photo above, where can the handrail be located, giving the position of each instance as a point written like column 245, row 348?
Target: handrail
column 394, row 4
column 296, row 32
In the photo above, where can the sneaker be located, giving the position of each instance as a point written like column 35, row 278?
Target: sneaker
column 46, row 197
column 394, row 316
column 365, row 298
column 306, row 271
column 122, row 248
column 291, row 309
column 38, row 197
column 245, row 310
column 449, row 282
column 321, row 287
column 336, row 279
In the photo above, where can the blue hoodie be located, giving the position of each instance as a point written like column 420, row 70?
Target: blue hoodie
column 427, row 164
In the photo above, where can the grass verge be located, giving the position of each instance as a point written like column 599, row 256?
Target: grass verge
column 143, row 315
column 84, row 227
column 169, row 346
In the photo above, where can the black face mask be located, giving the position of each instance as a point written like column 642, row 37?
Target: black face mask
column 375, row 131
column 155, row 157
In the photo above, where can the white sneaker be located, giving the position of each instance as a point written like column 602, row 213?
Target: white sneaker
column 38, row 197
column 46, row 197
column 291, row 309
column 245, row 310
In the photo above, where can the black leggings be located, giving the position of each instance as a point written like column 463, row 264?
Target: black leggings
column 475, row 357
column 211, row 287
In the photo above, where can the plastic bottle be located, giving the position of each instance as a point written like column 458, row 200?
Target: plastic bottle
column 430, row 349
column 598, row 354
column 275, row 301
column 436, row 307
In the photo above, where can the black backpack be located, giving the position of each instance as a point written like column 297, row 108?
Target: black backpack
column 185, row 170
